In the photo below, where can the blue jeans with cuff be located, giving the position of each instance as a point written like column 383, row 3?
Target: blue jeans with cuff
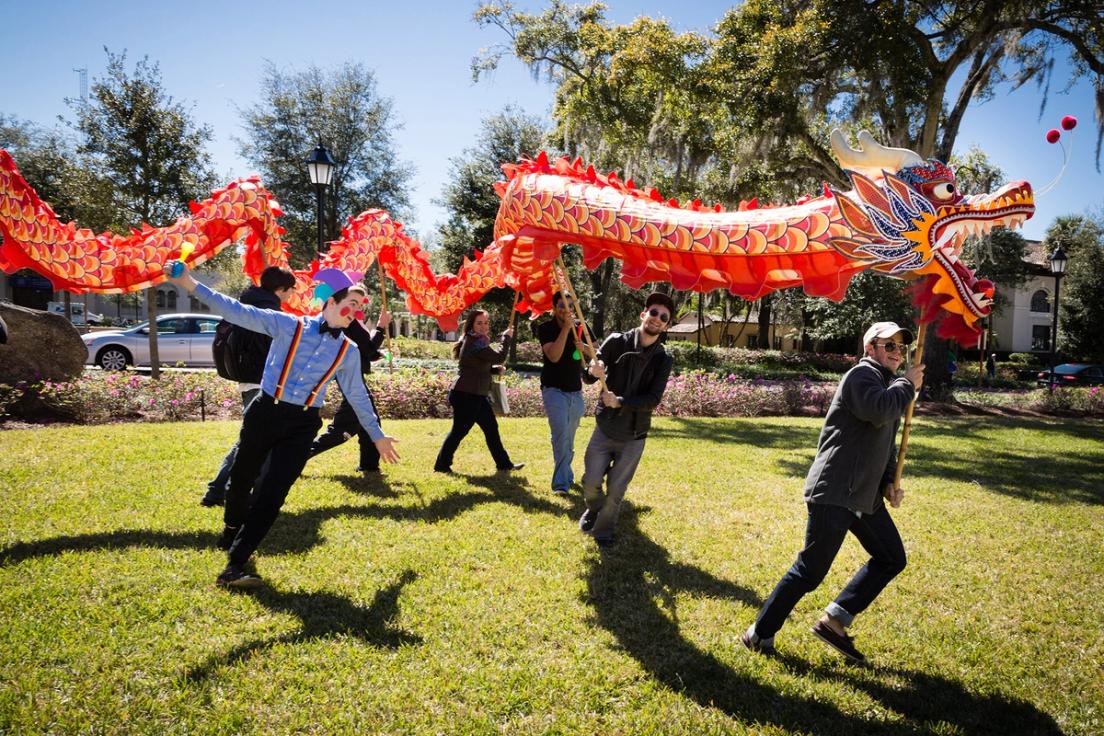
column 564, row 410
column 825, row 531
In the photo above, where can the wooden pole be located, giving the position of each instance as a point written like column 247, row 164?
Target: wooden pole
column 387, row 330
column 918, row 355
column 568, row 290
column 513, row 309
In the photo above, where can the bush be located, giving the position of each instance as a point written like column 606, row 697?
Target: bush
column 1026, row 360
column 747, row 363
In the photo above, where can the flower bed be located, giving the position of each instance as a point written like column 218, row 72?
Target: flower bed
column 415, row 393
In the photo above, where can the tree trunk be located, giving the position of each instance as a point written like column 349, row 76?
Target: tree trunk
column 599, row 281
column 764, row 322
column 151, row 315
column 937, row 379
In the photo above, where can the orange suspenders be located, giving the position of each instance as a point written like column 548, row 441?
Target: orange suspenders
column 287, row 361
column 330, row 372
column 291, row 356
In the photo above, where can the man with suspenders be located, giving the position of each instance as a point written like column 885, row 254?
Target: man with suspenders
column 281, row 423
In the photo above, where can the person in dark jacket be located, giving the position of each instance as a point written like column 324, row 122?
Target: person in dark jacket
column 470, row 393
column 854, row 468
column 276, row 287
column 345, row 423
column 635, row 367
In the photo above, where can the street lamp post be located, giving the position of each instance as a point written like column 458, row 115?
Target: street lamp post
column 1058, row 268
column 320, row 165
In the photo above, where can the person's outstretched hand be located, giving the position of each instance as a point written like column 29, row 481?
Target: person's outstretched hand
column 387, row 451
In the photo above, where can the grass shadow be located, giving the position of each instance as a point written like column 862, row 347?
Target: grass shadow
column 754, row 433
column 935, row 704
column 322, row 615
column 372, row 484
column 632, row 593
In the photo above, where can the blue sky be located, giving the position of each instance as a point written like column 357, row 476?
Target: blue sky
column 212, row 57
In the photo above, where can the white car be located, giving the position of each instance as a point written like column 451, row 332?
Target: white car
column 181, row 338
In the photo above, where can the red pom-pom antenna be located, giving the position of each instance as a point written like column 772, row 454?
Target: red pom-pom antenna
column 1069, row 122
column 1053, row 135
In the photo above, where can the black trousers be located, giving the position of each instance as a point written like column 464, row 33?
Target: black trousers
column 344, row 425
column 281, row 434
column 825, row 530
column 467, row 411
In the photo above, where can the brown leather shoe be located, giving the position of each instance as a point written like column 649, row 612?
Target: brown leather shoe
column 842, row 643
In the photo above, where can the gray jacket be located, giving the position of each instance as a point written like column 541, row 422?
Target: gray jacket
column 857, row 453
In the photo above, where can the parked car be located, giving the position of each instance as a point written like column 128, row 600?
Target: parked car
column 76, row 313
column 181, row 338
column 1074, row 374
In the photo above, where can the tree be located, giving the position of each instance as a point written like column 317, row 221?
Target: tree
column 778, row 75
column 137, row 137
column 49, row 162
column 343, row 109
column 1081, row 308
column 870, row 298
column 469, row 197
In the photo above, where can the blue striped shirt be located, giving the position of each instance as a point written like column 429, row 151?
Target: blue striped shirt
column 313, row 358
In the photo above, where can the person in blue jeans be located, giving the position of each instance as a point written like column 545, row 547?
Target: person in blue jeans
column 854, row 468
column 562, row 387
column 276, row 287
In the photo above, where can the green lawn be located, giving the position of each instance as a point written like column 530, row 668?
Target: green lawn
column 471, row 604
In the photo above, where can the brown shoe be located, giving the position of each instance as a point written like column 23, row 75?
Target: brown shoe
column 842, row 643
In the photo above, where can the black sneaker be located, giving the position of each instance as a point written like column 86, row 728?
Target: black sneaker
column 367, row 471
column 235, row 576
column 586, row 521
column 227, row 537
column 515, row 466
column 213, row 498
column 605, row 543
column 842, row 643
column 560, row 491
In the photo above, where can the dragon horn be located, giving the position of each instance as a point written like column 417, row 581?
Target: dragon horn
column 871, row 156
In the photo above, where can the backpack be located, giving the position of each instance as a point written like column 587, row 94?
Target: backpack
column 238, row 354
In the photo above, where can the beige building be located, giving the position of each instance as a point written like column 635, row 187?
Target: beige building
column 734, row 334
column 1025, row 322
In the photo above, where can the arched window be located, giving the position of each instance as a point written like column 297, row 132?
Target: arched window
column 160, row 299
column 1040, row 301
column 171, row 300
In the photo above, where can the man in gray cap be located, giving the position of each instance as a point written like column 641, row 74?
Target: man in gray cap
column 635, row 368
column 853, row 470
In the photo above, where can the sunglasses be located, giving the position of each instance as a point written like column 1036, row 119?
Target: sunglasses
column 661, row 316
column 892, row 347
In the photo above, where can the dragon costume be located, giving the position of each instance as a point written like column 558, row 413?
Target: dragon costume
column 903, row 217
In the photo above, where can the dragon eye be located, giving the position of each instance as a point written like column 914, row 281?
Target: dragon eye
column 946, row 190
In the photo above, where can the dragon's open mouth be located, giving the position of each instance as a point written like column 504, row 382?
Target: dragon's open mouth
column 977, row 215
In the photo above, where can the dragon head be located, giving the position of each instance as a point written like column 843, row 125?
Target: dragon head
column 909, row 220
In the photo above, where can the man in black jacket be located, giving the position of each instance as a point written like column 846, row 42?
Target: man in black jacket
column 636, row 368
column 855, row 466
column 345, row 422
column 251, row 352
